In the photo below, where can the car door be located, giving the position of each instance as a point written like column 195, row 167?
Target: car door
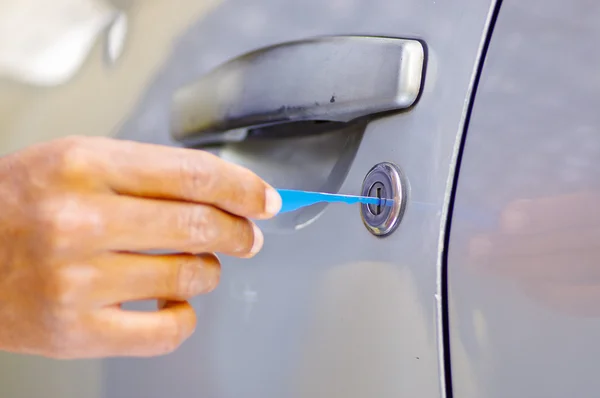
column 523, row 275
column 327, row 308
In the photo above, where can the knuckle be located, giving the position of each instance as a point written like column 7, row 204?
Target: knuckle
column 188, row 282
column 64, row 288
column 62, row 221
column 200, row 225
column 195, row 177
column 71, row 156
column 57, row 244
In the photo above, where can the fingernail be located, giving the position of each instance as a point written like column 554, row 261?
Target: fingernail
column 258, row 240
column 272, row 202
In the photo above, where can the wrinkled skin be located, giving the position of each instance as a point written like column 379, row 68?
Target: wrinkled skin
column 77, row 217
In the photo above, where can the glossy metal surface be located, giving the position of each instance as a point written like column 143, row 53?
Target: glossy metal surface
column 336, row 79
column 385, row 219
column 525, row 290
column 326, row 309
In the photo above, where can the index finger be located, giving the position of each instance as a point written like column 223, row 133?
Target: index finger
column 148, row 170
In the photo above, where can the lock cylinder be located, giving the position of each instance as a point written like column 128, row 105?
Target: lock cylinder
column 386, row 182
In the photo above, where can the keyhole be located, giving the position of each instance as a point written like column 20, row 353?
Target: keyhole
column 377, row 191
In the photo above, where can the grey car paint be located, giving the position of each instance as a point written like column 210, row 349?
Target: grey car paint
column 525, row 291
column 326, row 309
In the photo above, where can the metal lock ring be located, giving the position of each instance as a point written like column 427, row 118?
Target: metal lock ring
column 388, row 177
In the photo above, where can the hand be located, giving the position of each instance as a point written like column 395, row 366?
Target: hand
column 551, row 248
column 76, row 215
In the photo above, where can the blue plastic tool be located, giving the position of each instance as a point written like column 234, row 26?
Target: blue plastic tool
column 294, row 200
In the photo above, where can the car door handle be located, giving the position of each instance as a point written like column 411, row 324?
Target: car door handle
column 301, row 87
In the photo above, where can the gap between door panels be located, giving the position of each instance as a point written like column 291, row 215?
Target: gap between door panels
column 447, row 391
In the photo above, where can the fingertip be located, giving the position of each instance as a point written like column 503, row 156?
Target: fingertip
column 213, row 265
column 272, row 202
column 185, row 317
column 259, row 240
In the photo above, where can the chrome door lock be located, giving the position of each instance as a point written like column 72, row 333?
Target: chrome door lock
column 384, row 181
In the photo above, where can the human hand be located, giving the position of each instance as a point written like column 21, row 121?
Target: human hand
column 77, row 215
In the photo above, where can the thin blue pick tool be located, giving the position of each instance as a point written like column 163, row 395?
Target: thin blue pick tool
column 294, row 200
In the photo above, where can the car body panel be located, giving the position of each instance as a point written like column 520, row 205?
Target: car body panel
column 523, row 290
column 326, row 309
